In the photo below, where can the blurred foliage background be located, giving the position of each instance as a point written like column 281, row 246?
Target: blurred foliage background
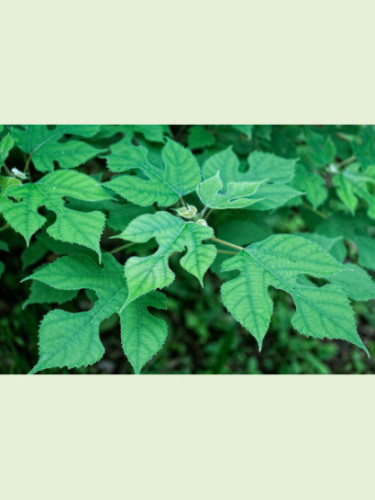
column 203, row 337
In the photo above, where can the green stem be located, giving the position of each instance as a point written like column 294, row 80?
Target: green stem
column 346, row 162
column 27, row 166
column 3, row 228
column 224, row 252
column 317, row 212
column 209, row 213
column 226, row 243
column 7, row 170
column 347, row 137
column 203, row 212
column 122, row 247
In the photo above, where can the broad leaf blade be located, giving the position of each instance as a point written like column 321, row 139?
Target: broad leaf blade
column 180, row 175
column 145, row 274
column 278, row 261
column 72, row 339
column 42, row 143
column 142, row 333
column 235, row 195
column 70, row 225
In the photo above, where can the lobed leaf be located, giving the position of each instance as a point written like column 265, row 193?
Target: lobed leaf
column 70, row 226
column 278, row 261
column 353, row 184
column 180, row 175
column 272, row 172
column 145, row 274
column 235, row 195
column 72, row 339
column 44, row 146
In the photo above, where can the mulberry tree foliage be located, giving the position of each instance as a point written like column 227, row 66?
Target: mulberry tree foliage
column 109, row 217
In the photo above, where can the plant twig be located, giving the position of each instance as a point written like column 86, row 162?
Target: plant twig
column 122, row 247
column 224, row 252
column 226, row 243
column 317, row 212
column 203, row 212
column 7, row 170
column 346, row 162
column 27, row 166
column 209, row 213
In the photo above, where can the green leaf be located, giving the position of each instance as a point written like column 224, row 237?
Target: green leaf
column 353, row 230
column 320, row 150
column 70, row 226
column 142, row 333
column 6, row 144
column 335, row 246
column 312, row 185
column 44, row 244
column 120, row 215
column 226, row 162
column 5, row 183
column 180, row 175
column 235, row 195
column 42, row 143
column 152, row 133
column 273, row 172
column 72, row 339
column 240, row 231
column 365, row 150
column 4, row 248
column 247, row 130
column 40, row 293
column 200, row 137
column 278, row 261
column 145, row 274
column 269, row 166
column 353, row 183
column 355, row 282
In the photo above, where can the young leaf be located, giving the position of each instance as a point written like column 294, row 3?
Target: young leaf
column 180, row 175
column 278, row 261
column 278, row 172
column 320, row 150
column 42, row 143
column 274, row 174
column 70, row 225
column 352, row 184
column 311, row 184
column 173, row 234
column 72, row 339
column 235, row 195
column 6, row 144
